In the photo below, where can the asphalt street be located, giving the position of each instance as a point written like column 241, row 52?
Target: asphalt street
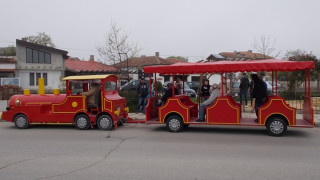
column 139, row 151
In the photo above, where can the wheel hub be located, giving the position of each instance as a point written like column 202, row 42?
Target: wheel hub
column 104, row 123
column 82, row 122
column 276, row 127
column 21, row 121
column 174, row 124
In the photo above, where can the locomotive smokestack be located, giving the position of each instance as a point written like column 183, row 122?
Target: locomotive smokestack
column 41, row 86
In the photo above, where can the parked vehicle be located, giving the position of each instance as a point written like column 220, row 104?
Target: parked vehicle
column 194, row 85
column 132, row 85
column 187, row 90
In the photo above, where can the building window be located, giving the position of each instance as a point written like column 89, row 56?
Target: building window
column 35, row 56
column 48, row 58
column 38, row 75
column 45, row 77
column 29, row 55
column 31, row 79
column 41, row 57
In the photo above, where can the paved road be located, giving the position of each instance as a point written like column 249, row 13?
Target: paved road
column 138, row 151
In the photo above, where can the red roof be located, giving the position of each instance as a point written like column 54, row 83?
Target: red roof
column 145, row 61
column 231, row 66
column 74, row 64
column 244, row 55
column 175, row 60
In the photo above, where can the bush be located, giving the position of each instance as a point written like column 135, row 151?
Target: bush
column 132, row 99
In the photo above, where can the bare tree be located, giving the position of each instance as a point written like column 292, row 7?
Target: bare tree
column 116, row 44
column 265, row 46
column 41, row 38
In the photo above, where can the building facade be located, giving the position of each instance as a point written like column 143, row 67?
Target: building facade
column 37, row 61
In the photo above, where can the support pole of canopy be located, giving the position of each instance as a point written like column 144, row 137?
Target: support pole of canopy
column 150, row 84
column 276, row 83
column 226, row 80
column 221, row 83
column 172, row 85
column 272, row 83
column 155, row 85
column 183, row 84
column 309, row 76
column 305, row 83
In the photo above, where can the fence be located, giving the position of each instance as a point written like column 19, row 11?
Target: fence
column 8, row 90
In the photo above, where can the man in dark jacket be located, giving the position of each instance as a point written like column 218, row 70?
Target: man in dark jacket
column 205, row 90
column 142, row 92
column 244, row 86
column 168, row 93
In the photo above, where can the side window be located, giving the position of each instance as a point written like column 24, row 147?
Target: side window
column 110, row 86
column 76, row 88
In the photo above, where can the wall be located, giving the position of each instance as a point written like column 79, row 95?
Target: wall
column 54, row 78
column 55, row 70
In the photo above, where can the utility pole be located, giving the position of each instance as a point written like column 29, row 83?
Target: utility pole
column 127, row 65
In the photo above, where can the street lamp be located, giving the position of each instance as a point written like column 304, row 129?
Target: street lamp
column 127, row 64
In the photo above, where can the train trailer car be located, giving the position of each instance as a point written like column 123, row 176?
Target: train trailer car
column 108, row 110
column 275, row 114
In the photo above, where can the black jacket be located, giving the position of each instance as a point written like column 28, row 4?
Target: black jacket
column 142, row 90
column 259, row 92
column 244, row 84
column 205, row 90
column 168, row 93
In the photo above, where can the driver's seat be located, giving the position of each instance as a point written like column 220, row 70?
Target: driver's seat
column 95, row 107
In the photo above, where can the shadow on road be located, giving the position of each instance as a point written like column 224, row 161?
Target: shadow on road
column 256, row 131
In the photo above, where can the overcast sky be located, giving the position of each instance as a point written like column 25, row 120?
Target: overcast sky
column 194, row 29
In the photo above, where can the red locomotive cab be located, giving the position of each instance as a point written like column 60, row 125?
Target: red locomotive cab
column 89, row 100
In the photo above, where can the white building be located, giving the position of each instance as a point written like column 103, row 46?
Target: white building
column 37, row 61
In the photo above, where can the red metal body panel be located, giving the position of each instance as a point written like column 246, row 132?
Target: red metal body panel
column 308, row 110
column 174, row 105
column 277, row 106
column 223, row 111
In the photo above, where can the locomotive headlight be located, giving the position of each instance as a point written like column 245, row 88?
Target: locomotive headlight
column 18, row 102
column 117, row 112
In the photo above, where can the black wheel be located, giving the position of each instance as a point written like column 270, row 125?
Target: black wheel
column 82, row 122
column 105, row 122
column 276, row 127
column 21, row 121
column 175, row 124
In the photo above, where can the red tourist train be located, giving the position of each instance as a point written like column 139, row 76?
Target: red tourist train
column 177, row 112
column 72, row 107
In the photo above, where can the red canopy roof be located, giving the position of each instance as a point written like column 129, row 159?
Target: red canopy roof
column 231, row 66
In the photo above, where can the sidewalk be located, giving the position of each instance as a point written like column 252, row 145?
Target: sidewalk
column 3, row 105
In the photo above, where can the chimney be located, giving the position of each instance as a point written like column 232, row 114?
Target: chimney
column 91, row 57
column 157, row 54
column 250, row 51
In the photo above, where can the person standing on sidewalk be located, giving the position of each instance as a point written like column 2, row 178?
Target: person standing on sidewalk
column 244, row 86
column 142, row 92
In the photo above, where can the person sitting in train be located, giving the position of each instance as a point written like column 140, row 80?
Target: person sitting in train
column 168, row 93
column 215, row 92
column 91, row 94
